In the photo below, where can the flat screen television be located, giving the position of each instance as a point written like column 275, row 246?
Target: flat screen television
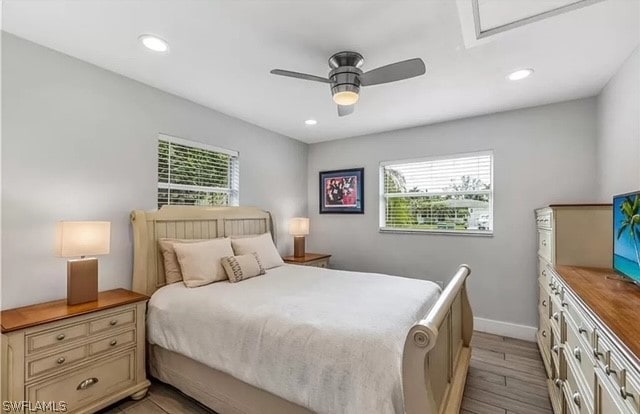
column 626, row 235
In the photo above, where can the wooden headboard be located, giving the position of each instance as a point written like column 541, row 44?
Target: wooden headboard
column 186, row 222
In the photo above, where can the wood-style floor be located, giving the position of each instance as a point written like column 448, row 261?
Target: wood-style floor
column 506, row 376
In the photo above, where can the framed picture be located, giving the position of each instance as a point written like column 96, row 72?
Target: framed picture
column 342, row 191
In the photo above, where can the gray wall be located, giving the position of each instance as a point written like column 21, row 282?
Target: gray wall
column 619, row 131
column 79, row 143
column 541, row 155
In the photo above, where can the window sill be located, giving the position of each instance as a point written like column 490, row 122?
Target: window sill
column 473, row 233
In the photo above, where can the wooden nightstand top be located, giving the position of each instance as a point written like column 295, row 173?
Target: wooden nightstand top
column 34, row 315
column 309, row 257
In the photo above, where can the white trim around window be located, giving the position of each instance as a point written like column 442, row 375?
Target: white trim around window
column 194, row 173
column 449, row 194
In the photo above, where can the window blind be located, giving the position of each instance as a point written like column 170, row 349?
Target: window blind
column 191, row 173
column 445, row 194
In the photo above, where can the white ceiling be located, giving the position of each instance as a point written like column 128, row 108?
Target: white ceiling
column 221, row 53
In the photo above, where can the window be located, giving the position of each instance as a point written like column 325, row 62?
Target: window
column 190, row 173
column 452, row 194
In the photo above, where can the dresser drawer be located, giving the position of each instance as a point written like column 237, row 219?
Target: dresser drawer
column 580, row 321
column 581, row 357
column 55, row 362
column 543, row 273
column 55, row 337
column 113, row 342
column 112, row 321
column 543, row 302
column 577, row 398
column 544, row 343
column 86, row 385
column 544, row 245
column 631, row 392
column 607, row 399
column 555, row 392
column 543, row 219
column 607, row 360
column 556, row 315
column 618, row 373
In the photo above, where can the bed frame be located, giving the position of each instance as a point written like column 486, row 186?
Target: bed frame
column 436, row 351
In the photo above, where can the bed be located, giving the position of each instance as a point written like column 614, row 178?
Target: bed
column 413, row 350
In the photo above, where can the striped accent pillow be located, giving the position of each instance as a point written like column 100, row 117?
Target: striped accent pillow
column 242, row 267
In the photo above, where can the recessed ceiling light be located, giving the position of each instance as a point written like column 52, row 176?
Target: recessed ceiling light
column 154, row 43
column 520, row 74
column 310, row 122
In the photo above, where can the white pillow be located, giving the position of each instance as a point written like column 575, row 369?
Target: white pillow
column 172, row 273
column 262, row 245
column 244, row 267
column 200, row 262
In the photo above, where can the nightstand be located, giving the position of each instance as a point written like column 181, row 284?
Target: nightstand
column 87, row 356
column 309, row 259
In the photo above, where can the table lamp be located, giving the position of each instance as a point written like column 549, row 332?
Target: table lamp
column 298, row 228
column 82, row 238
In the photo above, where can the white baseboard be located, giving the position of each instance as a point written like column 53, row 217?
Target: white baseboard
column 511, row 330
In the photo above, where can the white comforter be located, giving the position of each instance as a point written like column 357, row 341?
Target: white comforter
column 327, row 340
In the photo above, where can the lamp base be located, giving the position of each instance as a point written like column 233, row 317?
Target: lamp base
column 298, row 246
column 82, row 281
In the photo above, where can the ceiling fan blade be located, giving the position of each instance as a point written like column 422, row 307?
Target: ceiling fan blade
column 344, row 110
column 393, row 72
column 299, row 75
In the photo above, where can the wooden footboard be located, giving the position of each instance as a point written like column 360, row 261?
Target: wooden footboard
column 437, row 351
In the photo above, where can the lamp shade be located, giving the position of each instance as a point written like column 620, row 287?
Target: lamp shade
column 299, row 226
column 83, row 238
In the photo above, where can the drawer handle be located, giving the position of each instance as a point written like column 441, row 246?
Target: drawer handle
column 544, row 273
column 558, row 382
column 544, row 334
column 544, row 302
column 557, row 293
column 113, row 322
column 60, row 337
column 623, row 389
column 87, row 383
column 581, row 330
column 61, row 360
column 624, row 394
column 555, row 348
column 607, row 367
column 576, row 354
column 576, row 399
column 565, row 305
column 597, row 353
column 113, row 343
column 544, row 242
column 608, row 370
column 555, row 316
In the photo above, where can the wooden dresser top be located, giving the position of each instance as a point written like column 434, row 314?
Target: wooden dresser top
column 615, row 303
column 34, row 315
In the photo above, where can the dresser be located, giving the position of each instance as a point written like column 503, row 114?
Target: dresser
column 83, row 357
column 588, row 335
column 309, row 259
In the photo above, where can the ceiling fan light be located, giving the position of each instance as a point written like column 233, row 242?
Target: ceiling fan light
column 346, row 98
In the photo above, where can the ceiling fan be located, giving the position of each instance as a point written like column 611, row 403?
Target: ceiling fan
column 346, row 77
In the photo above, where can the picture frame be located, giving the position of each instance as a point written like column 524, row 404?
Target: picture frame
column 342, row 191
